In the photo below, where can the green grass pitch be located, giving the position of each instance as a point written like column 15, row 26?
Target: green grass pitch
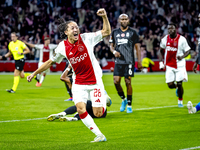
column 155, row 124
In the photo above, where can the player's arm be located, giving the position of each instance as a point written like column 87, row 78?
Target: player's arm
column 42, row 68
column 184, row 55
column 6, row 55
column 26, row 51
column 64, row 77
column 106, row 24
column 160, row 56
column 138, row 52
column 29, row 44
column 112, row 49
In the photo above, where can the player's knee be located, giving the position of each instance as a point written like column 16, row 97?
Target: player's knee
column 171, row 86
column 80, row 110
column 128, row 81
column 21, row 76
column 116, row 81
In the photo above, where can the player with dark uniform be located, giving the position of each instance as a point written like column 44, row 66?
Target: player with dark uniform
column 123, row 41
column 68, row 84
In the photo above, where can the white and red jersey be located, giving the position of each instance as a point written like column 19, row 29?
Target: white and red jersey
column 173, row 48
column 81, row 57
column 46, row 52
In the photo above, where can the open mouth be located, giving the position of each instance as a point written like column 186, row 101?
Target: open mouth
column 76, row 35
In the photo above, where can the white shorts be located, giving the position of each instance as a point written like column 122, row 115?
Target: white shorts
column 40, row 64
column 95, row 93
column 179, row 74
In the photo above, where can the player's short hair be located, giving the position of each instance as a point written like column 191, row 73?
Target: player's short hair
column 172, row 24
column 123, row 15
column 62, row 27
column 17, row 34
column 46, row 38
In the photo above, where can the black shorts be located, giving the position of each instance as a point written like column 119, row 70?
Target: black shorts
column 19, row 64
column 124, row 70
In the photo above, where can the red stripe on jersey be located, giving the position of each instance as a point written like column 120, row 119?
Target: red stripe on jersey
column 79, row 58
column 171, row 51
column 45, row 53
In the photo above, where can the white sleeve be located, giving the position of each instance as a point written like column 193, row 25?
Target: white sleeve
column 39, row 46
column 58, row 55
column 163, row 43
column 52, row 46
column 93, row 38
column 185, row 46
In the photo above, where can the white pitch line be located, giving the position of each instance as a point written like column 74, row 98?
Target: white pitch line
column 22, row 120
column 108, row 112
column 198, row 147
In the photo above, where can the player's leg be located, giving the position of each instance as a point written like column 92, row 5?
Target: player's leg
column 128, row 73
column 118, row 73
column 69, row 90
column 19, row 65
column 15, row 82
column 181, row 75
column 180, row 93
column 129, row 94
column 80, row 96
column 117, row 81
column 170, row 77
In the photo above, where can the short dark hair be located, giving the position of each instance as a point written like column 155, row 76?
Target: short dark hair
column 62, row 27
column 172, row 24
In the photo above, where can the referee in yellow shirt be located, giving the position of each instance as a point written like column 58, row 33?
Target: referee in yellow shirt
column 18, row 49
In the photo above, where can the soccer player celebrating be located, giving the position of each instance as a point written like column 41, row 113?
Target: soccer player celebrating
column 78, row 49
column 46, row 52
column 18, row 49
column 123, row 41
column 176, row 49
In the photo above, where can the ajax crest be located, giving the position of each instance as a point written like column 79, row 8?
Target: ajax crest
column 80, row 48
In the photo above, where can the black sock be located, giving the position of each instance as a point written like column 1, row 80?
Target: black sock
column 129, row 99
column 121, row 94
column 70, row 110
column 68, row 90
column 77, row 116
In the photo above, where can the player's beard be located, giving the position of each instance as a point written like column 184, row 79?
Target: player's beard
column 124, row 26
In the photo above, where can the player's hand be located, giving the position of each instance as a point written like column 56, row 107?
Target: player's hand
column 116, row 54
column 139, row 65
column 29, row 78
column 161, row 65
column 101, row 12
column 179, row 57
column 195, row 67
column 19, row 53
column 1, row 57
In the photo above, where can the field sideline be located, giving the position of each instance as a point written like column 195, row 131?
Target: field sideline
column 156, row 121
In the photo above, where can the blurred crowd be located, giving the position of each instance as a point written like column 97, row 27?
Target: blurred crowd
column 34, row 20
